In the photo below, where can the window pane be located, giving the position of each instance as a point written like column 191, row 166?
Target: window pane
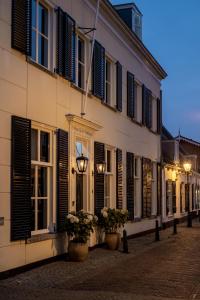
column 44, row 146
column 33, row 215
column 42, row 182
column 32, row 181
column 34, row 13
column 33, row 45
column 80, row 75
column 34, row 144
column 42, row 214
column 81, row 50
column 43, row 19
column 78, row 149
column 107, row 93
column 108, row 161
column 42, row 51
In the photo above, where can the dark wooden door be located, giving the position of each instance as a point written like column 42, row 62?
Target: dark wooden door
column 79, row 192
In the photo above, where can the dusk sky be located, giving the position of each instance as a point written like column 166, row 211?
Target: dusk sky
column 171, row 31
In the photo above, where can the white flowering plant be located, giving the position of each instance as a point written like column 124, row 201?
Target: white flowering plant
column 111, row 219
column 79, row 225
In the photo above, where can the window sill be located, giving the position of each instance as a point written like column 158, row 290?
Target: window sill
column 109, row 106
column 43, row 237
column 30, row 61
column 136, row 122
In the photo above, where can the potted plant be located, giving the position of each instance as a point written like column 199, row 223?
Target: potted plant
column 79, row 226
column 111, row 220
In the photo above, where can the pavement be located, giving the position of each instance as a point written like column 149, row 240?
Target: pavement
column 164, row 270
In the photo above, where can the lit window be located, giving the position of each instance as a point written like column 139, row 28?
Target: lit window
column 81, row 63
column 41, row 171
column 40, row 33
column 108, row 82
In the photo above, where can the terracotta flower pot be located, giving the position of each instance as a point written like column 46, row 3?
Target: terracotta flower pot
column 112, row 240
column 77, row 251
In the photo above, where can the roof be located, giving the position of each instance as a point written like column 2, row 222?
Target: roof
column 139, row 46
column 128, row 5
column 166, row 135
column 185, row 139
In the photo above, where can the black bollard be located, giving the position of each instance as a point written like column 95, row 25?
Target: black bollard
column 199, row 215
column 125, row 242
column 175, row 226
column 157, row 232
column 189, row 220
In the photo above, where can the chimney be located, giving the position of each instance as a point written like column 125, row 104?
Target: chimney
column 132, row 16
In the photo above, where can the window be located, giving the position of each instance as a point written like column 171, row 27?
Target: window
column 108, row 174
column 40, row 33
column 80, row 77
column 41, row 173
column 147, row 187
column 181, row 196
column 169, row 197
column 108, row 80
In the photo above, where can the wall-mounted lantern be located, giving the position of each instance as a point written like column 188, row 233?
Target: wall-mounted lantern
column 174, row 175
column 187, row 166
column 82, row 163
column 101, row 167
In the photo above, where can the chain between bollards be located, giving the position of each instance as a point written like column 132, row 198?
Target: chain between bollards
column 157, row 232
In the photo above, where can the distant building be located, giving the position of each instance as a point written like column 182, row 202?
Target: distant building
column 179, row 196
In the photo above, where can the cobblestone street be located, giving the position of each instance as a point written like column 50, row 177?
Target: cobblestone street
column 169, row 269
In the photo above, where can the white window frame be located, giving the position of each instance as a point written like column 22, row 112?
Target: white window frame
column 111, row 83
column 79, row 36
column 107, row 199
column 137, row 178
column 50, row 169
column 49, row 38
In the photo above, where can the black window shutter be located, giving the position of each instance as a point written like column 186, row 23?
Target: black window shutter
column 98, row 74
column 130, row 184
column 144, row 104
column 174, row 196
column 60, row 42
column 66, row 49
column 20, row 178
column 119, row 86
column 130, row 95
column 21, row 26
column 62, row 177
column 149, row 104
column 159, row 114
column 99, row 157
column 70, row 48
column 119, row 179
column 167, row 197
column 159, row 188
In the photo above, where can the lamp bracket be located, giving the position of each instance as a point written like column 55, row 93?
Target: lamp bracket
column 87, row 30
column 74, row 171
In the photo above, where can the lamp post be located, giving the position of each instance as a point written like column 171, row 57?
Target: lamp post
column 187, row 167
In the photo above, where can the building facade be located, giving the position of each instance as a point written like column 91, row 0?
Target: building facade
column 47, row 120
column 180, row 192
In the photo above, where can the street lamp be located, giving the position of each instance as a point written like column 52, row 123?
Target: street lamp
column 187, row 167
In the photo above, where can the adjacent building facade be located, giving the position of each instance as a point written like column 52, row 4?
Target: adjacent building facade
column 47, row 120
column 180, row 192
